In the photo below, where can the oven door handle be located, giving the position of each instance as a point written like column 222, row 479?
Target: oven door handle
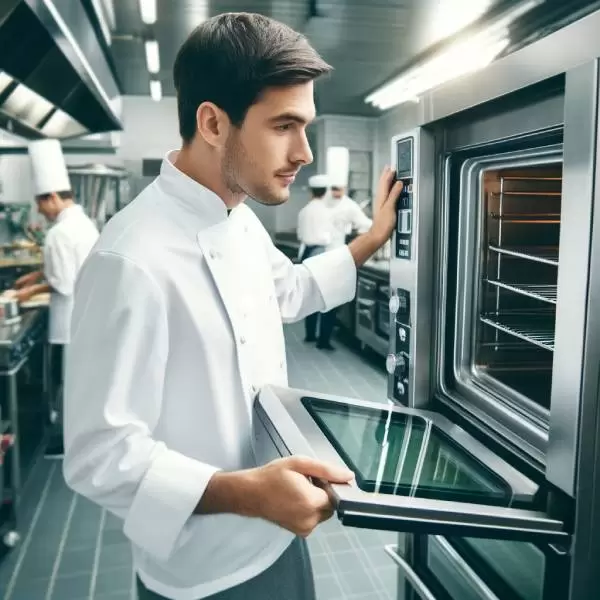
column 419, row 586
column 367, row 303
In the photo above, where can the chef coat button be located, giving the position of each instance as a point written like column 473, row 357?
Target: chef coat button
column 212, row 253
column 281, row 365
column 245, row 228
column 242, row 340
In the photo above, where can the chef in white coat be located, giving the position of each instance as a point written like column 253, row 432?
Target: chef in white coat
column 68, row 242
column 315, row 229
column 178, row 324
column 346, row 214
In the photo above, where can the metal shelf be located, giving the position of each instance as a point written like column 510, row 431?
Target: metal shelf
column 530, row 327
column 546, row 255
column 545, row 293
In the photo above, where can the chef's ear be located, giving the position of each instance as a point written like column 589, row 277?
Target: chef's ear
column 212, row 124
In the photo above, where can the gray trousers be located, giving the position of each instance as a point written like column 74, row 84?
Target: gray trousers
column 289, row 578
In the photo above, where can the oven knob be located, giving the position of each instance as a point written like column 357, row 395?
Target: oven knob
column 394, row 303
column 396, row 364
column 402, row 334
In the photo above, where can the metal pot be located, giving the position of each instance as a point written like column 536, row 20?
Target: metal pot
column 9, row 311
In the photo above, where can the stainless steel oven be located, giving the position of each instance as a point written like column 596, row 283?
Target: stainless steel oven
column 486, row 455
column 368, row 312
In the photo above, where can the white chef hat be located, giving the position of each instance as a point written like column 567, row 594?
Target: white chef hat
column 338, row 166
column 318, row 181
column 49, row 168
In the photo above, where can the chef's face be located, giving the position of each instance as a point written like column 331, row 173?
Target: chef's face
column 337, row 192
column 264, row 154
column 49, row 206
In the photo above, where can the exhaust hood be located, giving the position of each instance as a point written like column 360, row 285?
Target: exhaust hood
column 55, row 80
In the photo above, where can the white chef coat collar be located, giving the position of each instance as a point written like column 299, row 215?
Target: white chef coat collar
column 67, row 212
column 198, row 199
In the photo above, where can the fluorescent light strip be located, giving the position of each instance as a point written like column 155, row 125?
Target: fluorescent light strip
column 462, row 57
column 152, row 56
column 148, row 11
column 156, row 90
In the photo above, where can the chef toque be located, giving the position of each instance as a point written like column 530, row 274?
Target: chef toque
column 318, row 181
column 49, row 168
column 338, row 166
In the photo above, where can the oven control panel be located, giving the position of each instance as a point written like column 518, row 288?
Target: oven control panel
column 404, row 172
column 398, row 363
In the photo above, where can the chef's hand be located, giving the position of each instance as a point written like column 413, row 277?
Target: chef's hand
column 384, row 210
column 26, row 280
column 279, row 492
column 24, row 294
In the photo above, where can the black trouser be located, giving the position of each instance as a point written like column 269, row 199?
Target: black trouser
column 327, row 319
column 57, row 352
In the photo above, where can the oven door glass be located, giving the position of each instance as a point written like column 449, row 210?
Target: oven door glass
column 415, row 470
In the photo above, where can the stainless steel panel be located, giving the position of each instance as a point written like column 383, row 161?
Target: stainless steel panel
column 457, row 578
column 553, row 55
column 294, row 431
column 581, row 111
column 416, row 275
column 586, row 549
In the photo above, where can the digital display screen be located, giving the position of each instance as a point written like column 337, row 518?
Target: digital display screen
column 404, row 159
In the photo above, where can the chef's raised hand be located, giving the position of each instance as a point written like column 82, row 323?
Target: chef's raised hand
column 384, row 211
column 280, row 492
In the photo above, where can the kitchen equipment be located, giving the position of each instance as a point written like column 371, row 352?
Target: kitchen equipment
column 487, row 451
column 9, row 310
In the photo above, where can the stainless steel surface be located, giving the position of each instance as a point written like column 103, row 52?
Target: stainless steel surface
column 580, row 147
column 415, row 581
column 58, row 37
column 459, row 580
column 585, row 572
column 13, row 417
column 551, row 56
column 415, row 275
column 293, row 431
column 9, row 311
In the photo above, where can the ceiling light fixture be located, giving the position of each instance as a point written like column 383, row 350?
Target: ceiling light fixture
column 156, row 90
column 463, row 56
column 152, row 56
column 148, row 11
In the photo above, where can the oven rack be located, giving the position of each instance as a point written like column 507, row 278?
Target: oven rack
column 542, row 254
column 535, row 328
column 538, row 291
column 527, row 218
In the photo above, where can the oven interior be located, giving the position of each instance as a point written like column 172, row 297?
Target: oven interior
column 513, row 329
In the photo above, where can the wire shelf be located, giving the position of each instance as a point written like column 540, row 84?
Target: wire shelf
column 543, row 292
column 546, row 255
column 528, row 218
column 534, row 328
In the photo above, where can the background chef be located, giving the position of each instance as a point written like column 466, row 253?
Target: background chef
column 346, row 214
column 315, row 233
column 68, row 242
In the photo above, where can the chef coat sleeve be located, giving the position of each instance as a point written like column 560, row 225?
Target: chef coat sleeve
column 360, row 221
column 320, row 283
column 59, row 265
column 113, row 393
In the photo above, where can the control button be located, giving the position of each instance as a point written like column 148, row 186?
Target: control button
column 402, row 334
column 394, row 304
column 401, row 389
column 396, row 364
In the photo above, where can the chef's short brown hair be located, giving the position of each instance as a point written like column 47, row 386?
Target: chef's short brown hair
column 232, row 58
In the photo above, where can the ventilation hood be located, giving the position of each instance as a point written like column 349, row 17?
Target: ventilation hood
column 55, row 80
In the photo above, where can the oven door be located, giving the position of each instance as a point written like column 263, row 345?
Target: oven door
column 415, row 470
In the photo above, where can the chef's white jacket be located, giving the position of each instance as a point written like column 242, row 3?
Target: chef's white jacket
column 67, row 244
column 177, row 324
column 315, row 224
column 346, row 215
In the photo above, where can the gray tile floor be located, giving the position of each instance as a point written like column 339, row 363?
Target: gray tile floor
column 72, row 550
